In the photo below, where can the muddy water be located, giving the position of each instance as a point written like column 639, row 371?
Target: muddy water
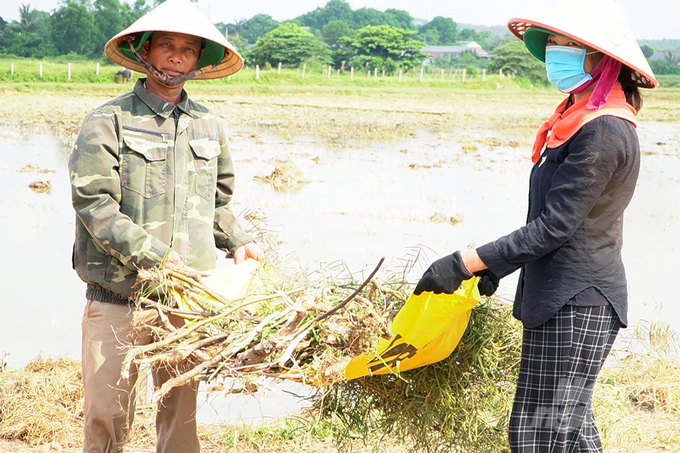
column 358, row 205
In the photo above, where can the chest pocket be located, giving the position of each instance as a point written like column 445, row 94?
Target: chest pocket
column 206, row 153
column 144, row 163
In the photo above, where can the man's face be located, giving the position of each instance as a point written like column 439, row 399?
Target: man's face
column 172, row 53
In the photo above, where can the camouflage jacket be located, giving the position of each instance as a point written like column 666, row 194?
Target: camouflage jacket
column 148, row 177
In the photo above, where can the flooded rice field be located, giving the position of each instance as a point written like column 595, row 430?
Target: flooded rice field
column 355, row 204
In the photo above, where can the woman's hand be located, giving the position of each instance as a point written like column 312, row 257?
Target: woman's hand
column 443, row 276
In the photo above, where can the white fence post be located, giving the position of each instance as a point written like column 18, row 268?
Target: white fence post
column 41, row 70
column 257, row 71
column 400, row 72
column 69, row 71
column 464, row 72
column 351, row 73
column 422, row 71
column 279, row 68
column 304, row 69
column 97, row 68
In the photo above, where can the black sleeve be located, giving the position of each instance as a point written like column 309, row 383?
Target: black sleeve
column 594, row 154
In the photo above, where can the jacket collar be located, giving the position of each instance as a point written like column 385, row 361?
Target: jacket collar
column 158, row 105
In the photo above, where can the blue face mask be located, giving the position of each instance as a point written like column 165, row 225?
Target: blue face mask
column 564, row 66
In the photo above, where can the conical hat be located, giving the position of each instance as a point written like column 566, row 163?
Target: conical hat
column 599, row 24
column 178, row 16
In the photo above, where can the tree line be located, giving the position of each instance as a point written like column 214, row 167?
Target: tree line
column 335, row 35
column 331, row 35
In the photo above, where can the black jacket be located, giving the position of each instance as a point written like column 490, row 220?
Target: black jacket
column 573, row 236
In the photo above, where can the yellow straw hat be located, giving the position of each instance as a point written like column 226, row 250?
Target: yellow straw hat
column 220, row 58
column 599, row 24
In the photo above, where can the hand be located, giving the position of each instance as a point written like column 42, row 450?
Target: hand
column 173, row 260
column 488, row 282
column 443, row 276
column 248, row 250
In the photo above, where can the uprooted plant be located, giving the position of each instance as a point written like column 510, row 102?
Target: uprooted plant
column 294, row 328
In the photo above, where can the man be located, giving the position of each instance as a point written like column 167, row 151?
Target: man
column 151, row 184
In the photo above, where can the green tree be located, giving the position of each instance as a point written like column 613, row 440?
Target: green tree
column 484, row 38
column 291, row 45
column 365, row 17
column 385, row 47
column 73, row 28
column 30, row 45
column 139, row 8
column 334, row 30
column 335, row 10
column 29, row 21
column 109, row 19
column 3, row 32
column 664, row 67
column 399, row 19
column 514, row 58
column 440, row 30
column 30, row 36
column 256, row 27
column 647, row 51
column 671, row 57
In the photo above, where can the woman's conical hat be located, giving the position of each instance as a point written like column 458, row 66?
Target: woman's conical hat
column 599, row 24
column 220, row 58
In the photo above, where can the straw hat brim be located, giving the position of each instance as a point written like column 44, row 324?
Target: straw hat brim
column 599, row 24
column 220, row 58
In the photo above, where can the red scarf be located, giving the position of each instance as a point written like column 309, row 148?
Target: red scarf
column 563, row 124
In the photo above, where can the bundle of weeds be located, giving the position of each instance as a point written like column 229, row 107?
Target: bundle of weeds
column 459, row 404
column 295, row 324
column 42, row 403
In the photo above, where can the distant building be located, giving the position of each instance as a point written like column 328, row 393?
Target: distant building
column 664, row 56
column 451, row 52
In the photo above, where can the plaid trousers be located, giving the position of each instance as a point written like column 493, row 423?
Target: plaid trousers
column 561, row 359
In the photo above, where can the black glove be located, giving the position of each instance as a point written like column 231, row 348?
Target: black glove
column 488, row 282
column 443, row 276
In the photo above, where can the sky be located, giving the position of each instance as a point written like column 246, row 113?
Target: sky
column 649, row 19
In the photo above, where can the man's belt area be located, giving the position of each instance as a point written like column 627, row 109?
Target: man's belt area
column 96, row 292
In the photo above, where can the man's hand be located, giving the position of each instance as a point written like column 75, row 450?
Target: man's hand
column 173, row 260
column 248, row 250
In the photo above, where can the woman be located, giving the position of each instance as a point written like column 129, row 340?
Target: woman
column 571, row 296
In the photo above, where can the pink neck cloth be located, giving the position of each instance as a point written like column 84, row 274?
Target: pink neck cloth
column 604, row 75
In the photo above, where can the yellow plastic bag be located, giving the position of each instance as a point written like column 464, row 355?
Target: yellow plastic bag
column 426, row 330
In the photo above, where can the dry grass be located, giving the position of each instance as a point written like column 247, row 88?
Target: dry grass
column 43, row 403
